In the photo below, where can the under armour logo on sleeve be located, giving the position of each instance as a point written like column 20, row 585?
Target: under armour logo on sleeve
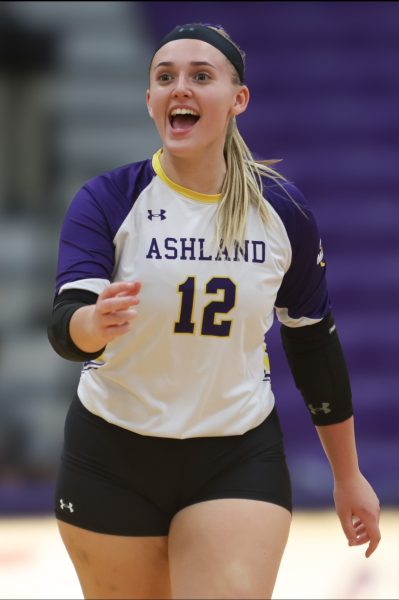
column 323, row 408
column 161, row 215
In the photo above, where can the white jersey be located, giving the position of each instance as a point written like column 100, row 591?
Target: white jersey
column 194, row 363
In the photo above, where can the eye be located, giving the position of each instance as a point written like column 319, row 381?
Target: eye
column 164, row 77
column 202, row 76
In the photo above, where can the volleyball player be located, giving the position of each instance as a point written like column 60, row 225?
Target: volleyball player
column 173, row 480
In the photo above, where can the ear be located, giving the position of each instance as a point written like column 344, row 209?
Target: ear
column 148, row 100
column 241, row 101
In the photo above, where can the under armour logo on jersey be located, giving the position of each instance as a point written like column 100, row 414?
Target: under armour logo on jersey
column 160, row 215
column 65, row 505
column 323, row 408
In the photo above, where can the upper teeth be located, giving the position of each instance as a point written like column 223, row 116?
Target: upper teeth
column 184, row 111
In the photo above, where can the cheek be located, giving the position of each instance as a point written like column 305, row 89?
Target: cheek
column 219, row 115
column 156, row 105
column 221, row 106
column 157, row 114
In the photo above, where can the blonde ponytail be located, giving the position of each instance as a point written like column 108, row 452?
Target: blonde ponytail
column 242, row 187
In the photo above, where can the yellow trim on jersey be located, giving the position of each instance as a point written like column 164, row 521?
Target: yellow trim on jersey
column 156, row 165
column 266, row 361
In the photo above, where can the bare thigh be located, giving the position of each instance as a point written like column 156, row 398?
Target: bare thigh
column 227, row 548
column 113, row 566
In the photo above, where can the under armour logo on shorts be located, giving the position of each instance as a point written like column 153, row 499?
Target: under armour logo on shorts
column 65, row 505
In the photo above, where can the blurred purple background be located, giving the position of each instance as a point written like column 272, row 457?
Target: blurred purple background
column 324, row 82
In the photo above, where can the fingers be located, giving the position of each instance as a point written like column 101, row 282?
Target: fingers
column 119, row 296
column 115, row 308
column 112, row 325
column 358, row 509
column 366, row 531
column 122, row 288
column 372, row 535
column 118, row 318
column 114, row 331
column 349, row 530
column 361, row 532
column 371, row 547
column 117, row 304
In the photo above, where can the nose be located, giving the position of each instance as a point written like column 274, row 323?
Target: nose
column 181, row 88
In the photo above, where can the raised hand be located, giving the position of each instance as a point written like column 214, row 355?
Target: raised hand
column 93, row 327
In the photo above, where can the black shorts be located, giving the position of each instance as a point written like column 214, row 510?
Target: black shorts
column 114, row 481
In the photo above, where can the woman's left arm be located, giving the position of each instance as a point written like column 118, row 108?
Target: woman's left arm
column 356, row 503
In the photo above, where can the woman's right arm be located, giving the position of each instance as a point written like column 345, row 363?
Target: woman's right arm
column 89, row 311
column 83, row 322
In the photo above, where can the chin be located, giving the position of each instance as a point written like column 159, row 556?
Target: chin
column 180, row 148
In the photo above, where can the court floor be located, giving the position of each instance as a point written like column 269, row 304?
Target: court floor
column 317, row 562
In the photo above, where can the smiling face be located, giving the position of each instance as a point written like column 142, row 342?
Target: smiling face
column 192, row 97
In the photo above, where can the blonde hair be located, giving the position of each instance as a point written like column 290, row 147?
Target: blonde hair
column 242, row 185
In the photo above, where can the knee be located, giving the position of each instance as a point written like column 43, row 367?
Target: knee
column 240, row 582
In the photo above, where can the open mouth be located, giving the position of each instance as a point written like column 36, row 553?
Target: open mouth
column 183, row 118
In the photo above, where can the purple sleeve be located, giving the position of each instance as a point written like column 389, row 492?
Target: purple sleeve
column 303, row 291
column 86, row 248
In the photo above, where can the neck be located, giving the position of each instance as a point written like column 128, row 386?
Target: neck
column 203, row 174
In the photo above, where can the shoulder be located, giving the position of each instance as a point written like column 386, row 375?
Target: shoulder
column 292, row 208
column 109, row 197
column 127, row 181
column 285, row 197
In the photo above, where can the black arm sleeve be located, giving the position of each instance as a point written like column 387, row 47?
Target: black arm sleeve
column 317, row 363
column 58, row 328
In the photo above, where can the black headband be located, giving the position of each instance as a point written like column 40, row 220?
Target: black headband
column 210, row 36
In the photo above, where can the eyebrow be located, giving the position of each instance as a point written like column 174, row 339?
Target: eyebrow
column 193, row 63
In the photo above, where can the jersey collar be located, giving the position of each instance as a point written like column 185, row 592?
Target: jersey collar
column 207, row 198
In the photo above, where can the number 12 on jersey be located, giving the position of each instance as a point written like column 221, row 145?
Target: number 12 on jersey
column 211, row 324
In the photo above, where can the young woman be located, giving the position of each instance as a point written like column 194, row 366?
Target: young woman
column 173, row 480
